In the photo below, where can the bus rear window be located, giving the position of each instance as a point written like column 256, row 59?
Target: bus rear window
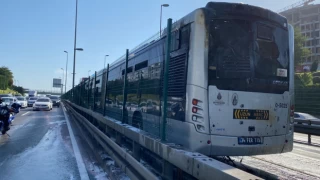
column 248, row 55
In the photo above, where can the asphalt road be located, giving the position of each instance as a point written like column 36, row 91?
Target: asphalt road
column 40, row 145
column 302, row 163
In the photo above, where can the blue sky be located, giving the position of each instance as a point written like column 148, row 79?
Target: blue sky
column 34, row 33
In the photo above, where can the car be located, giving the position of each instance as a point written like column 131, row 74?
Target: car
column 9, row 100
column 6, row 95
column 31, row 101
column 55, row 100
column 22, row 101
column 43, row 104
column 304, row 116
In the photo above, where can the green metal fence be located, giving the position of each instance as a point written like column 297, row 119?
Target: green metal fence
column 307, row 100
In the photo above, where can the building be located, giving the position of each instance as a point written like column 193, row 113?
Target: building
column 307, row 18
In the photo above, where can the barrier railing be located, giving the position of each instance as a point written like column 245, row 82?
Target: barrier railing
column 175, row 162
column 309, row 127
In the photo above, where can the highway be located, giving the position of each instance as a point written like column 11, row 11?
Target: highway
column 302, row 163
column 49, row 145
column 39, row 145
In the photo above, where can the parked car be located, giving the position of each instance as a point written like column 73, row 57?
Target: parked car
column 31, row 101
column 304, row 116
column 55, row 100
column 43, row 104
column 22, row 101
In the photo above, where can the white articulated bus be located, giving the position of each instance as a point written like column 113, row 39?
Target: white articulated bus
column 230, row 88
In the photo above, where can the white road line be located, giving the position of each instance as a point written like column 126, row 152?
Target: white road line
column 25, row 113
column 303, row 156
column 82, row 169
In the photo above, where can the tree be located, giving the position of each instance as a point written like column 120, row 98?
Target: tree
column 314, row 66
column 6, row 72
column 299, row 50
column 3, row 82
column 19, row 89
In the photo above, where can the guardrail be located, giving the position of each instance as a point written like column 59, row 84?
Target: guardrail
column 306, row 127
column 174, row 162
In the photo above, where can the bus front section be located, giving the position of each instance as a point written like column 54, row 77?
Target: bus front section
column 248, row 80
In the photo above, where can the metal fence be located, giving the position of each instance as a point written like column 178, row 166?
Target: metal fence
column 307, row 100
column 90, row 93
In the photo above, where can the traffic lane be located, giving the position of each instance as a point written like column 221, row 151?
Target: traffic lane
column 303, row 158
column 39, row 149
column 304, row 138
column 19, row 120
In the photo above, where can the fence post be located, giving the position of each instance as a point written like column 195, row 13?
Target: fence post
column 89, row 88
column 309, row 135
column 125, row 87
column 94, row 91
column 105, row 91
column 80, row 95
column 165, row 81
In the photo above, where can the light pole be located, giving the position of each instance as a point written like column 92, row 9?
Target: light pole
column 162, row 5
column 89, row 72
column 62, row 80
column 75, row 45
column 65, row 83
column 104, row 65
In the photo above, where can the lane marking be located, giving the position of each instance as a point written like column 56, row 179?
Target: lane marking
column 81, row 167
column 25, row 113
column 304, row 156
column 308, row 152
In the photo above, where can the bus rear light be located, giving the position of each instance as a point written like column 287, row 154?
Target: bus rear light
column 195, row 102
column 194, row 109
column 194, row 118
column 292, row 107
column 292, row 113
column 292, row 110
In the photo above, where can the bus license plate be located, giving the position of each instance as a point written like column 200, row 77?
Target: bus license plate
column 250, row 140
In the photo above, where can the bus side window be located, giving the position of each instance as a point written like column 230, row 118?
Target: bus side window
column 184, row 36
column 175, row 40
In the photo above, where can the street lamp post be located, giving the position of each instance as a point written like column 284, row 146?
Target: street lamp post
column 65, row 83
column 104, row 65
column 75, row 45
column 162, row 5
column 89, row 72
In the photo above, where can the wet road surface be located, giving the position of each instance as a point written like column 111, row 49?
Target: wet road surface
column 39, row 146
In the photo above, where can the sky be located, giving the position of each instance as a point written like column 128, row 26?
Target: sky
column 35, row 33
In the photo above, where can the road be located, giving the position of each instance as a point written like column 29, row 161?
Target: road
column 302, row 163
column 40, row 145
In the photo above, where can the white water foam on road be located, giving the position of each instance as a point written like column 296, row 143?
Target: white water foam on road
column 48, row 160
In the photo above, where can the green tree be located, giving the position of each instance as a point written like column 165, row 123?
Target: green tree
column 306, row 78
column 3, row 82
column 19, row 89
column 6, row 72
column 314, row 66
column 299, row 50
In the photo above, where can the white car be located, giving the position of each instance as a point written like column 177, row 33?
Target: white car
column 42, row 104
column 31, row 101
column 304, row 117
column 9, row 100
column 22, row 101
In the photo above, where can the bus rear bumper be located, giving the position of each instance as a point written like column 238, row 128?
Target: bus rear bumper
column 228, row 146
